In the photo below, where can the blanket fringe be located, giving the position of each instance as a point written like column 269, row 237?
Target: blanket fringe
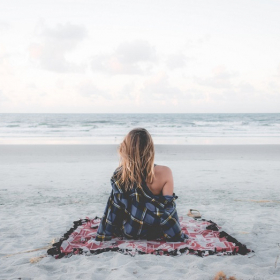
column 56, row 251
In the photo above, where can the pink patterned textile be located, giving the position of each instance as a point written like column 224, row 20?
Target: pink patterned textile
column 205, row 238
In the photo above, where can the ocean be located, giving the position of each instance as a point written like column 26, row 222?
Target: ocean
column 164, row 128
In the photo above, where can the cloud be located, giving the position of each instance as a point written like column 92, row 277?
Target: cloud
column 127, row 92
column 240, row 92
column 129, row 58
column 5, row 64
column 221, row 78
column 31, row 86
column 158, row 87
column 2, row 96
column 136, row 51
column 50, row 53
column 195, row 42
column 274, row 87
column 68, row 33
column 88, row 89
column 195, row 94
column 246, row 88
column 175, row 61
column 247, row 91
column 4, row 25
column 110, row 64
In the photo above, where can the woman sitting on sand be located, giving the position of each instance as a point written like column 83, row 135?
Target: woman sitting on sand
column 142, row 203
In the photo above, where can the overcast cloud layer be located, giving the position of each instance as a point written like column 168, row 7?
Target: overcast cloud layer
column 139, row 56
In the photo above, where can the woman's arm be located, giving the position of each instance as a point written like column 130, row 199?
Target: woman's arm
column 169, row 220
column 168, row 187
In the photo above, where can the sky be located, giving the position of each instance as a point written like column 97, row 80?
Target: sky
column 158, row 56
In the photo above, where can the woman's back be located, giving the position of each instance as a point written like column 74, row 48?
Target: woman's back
column 142, row 197
column 138, row 213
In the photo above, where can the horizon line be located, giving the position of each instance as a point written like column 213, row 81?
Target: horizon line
column 145, row 113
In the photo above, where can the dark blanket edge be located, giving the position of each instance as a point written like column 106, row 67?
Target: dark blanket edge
column 56, row 252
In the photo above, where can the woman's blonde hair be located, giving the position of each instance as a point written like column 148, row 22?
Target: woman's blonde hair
column 136, row 159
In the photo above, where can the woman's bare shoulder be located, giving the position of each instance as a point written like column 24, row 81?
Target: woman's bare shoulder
column 164, row 174
column 163, row 169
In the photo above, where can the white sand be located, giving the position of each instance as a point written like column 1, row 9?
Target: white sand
column 43, row 189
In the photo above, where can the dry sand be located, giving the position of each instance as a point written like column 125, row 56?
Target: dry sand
column 44, row 188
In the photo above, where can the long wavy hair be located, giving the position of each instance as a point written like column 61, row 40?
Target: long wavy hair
column 137, row 155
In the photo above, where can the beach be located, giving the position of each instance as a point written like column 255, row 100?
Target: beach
column 44, row 188
column 79, row 79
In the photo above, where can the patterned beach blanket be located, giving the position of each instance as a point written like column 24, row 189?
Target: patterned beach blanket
column 205, row 238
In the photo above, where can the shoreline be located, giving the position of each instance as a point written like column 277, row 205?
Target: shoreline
column 163, row 153
column 208, row 140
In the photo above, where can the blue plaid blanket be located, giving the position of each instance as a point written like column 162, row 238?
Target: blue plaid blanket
column 139, row 214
